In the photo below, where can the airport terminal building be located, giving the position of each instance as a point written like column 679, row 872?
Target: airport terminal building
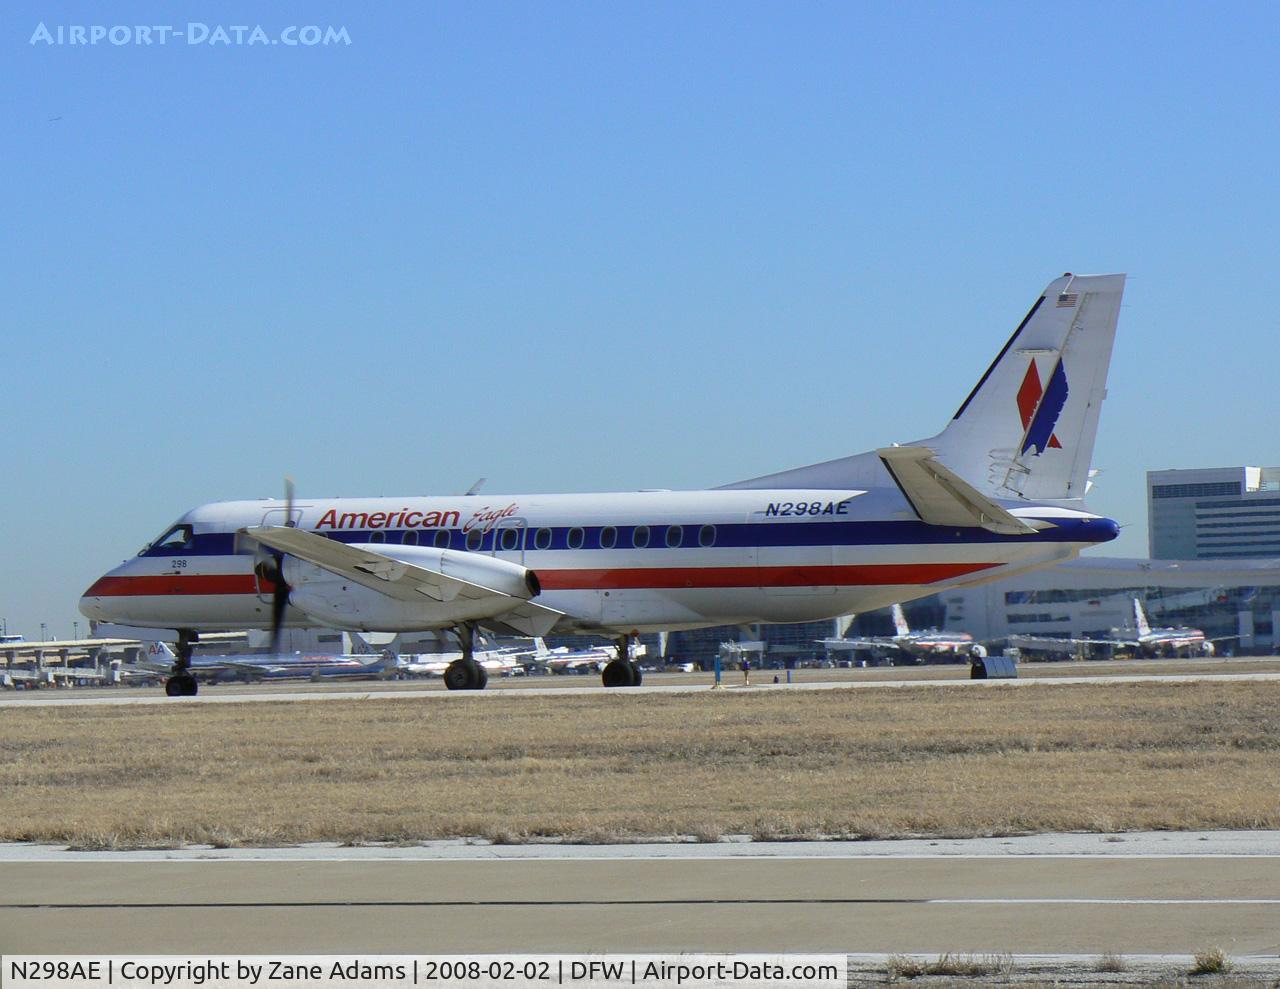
column 1218, row 513
column 1088, row 597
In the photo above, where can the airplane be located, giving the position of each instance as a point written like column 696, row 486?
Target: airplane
column 999, row 491
column 1142, row 638
column 1160, row 641
column 1155, row 641
column 566, row 660
column 506, row 660
column 161, row 659
column 919, row 646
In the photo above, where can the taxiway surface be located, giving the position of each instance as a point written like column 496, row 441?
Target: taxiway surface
column 1162, row 896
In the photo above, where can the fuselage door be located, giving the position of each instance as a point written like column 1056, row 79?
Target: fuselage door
column 282, row 516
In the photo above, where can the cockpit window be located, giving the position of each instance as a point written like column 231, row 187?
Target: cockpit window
column 176, row 540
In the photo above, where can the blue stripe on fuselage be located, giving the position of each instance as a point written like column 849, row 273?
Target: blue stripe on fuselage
column 727, row 536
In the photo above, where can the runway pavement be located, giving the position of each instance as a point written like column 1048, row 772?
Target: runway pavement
column 381, row 691
column 1074, row 895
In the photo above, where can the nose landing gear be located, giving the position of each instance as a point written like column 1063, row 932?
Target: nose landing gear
column 182, row 682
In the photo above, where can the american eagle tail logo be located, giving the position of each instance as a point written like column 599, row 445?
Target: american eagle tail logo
column 1040, row 406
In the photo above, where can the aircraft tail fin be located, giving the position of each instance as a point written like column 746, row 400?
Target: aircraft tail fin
column 1027, row 429
column 900, row 621
column 1140, row 619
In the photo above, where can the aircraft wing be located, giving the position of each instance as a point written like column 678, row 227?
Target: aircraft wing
column 858, row 643
column 397, row 579
column 1052, row 642
column 941, row 497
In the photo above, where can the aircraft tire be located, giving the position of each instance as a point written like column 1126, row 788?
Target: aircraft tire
column 464, row 675
column 620, row 673
column 636, row 676
column 459, row 675
column 181, row 685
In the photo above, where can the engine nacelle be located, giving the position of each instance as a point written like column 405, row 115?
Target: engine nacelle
column 340, row 602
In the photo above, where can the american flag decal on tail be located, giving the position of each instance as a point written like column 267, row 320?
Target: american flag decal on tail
column 1068, row 299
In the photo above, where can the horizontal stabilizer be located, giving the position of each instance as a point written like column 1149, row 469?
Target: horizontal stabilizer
column 940, row 497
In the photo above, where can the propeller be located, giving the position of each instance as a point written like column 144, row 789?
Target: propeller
column 270, row 568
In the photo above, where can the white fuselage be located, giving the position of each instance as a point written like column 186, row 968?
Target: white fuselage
column 609, row 562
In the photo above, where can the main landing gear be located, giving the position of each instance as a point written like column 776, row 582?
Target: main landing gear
column 623, row 671
column 182, row 682
column 466, row 673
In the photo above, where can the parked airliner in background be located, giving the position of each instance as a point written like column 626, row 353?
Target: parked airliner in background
column 1141, row 638
column 296, row 666
column 503, row 660
column 919, row 646
column 1164, row 641
column 999, row 491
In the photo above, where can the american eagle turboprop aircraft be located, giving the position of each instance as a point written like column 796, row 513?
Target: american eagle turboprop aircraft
column 999, row 491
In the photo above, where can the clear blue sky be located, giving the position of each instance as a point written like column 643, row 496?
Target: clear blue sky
column 604, row 246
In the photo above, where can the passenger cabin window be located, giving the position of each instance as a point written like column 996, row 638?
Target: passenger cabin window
column 608, row 537
column 675, row 535
column 542, row 539
column 474, row 538
column 410, row 538
column 576, row 536
column 176, row 540
column 510, row 539
column 378, row 537
column 707, row 536
column 640, row 537
column 442, row 539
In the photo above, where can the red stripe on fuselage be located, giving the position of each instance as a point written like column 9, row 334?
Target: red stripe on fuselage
column 163, row 585
column 796, row 576
column 638, row 578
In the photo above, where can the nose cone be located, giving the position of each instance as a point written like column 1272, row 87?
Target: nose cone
column 94, row 603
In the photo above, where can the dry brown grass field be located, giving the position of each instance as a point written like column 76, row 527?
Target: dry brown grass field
column 616, row 766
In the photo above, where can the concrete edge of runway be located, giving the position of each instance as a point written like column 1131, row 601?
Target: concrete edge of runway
column 80, row 699
column 1153, row 844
